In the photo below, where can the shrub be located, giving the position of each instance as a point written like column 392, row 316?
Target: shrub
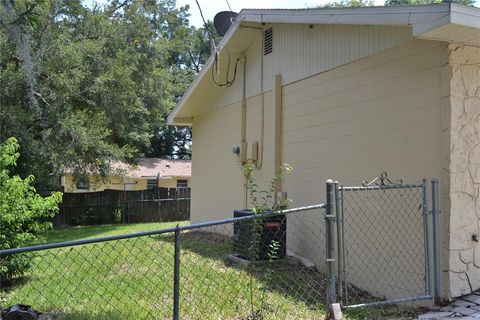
column 117, row 215
column 23, row 212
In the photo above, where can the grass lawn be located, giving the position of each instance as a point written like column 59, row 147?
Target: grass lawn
column 133, row 279
column 78, row 233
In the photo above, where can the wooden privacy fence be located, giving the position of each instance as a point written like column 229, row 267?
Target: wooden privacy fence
column 116, row 206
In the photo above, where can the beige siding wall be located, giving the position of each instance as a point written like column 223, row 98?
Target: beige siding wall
column 461, row 164
column 217, row 184
column 380, row 113
column 300, row 51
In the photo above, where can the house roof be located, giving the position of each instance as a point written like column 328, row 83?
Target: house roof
column 151, row 167
column 441, row 22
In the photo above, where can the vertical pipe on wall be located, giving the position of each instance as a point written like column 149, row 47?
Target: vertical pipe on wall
column 278, row 130
column 259, row 162
column 243, row 128
column 436, row 243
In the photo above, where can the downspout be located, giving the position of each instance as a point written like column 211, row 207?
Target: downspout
column 243, row 130
column 278, row 131
column 243, row 150
column 259, row 162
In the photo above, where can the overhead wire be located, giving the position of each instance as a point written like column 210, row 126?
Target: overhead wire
column 227, row 83
column 205, row 23
column 215, row 68
column 228, row 4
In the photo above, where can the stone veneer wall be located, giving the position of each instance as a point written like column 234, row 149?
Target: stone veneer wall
column 461, row 166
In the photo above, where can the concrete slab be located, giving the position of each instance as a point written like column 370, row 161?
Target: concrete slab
column 464, row 311
column 462, row 303
column 475, row 298
column 466, row 307
column 435, row 315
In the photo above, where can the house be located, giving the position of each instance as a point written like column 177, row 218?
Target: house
column 147, row 173
column 345, row 94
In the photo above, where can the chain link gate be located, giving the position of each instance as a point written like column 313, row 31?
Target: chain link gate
column 378, row 239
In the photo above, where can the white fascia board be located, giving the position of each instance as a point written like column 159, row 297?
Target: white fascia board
column 458, row 14
column 465, row 16
column 395, row 15
column 419, row 29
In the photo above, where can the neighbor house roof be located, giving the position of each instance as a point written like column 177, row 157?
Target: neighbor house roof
column 442, row 22
column 151, row 167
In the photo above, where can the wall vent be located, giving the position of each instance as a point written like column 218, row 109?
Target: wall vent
column 267, row 41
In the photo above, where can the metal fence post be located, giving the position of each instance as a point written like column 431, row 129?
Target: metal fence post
column 426, row 238
column 330, row 242
column 176, row 276
column 340, row 263
column 436, row 243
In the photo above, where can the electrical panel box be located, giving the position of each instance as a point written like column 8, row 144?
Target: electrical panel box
column 243, row 152
column 254, row 151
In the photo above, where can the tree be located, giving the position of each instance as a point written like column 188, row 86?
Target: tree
column 349, row 4
column 171, row 142
column 22, row 211
column 88, row 86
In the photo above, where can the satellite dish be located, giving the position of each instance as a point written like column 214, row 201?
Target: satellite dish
column 223, row 20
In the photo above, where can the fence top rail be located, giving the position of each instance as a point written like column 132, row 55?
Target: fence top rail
column 383, row 187
column 155, row 232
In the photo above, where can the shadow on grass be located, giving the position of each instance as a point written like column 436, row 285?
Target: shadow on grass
column 76, row 233
column 61, row 314
column 9, row 284
column 305, row 285
column 84, row 232
column 383, row 312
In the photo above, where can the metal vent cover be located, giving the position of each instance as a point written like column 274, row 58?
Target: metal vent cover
column 267, row 41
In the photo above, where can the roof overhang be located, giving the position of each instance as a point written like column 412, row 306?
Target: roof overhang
column 461, row 25
column 441, row 22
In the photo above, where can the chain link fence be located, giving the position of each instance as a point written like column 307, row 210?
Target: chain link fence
column 379, row 249
column 267, row 266
column 368, row 246
column 384, row 243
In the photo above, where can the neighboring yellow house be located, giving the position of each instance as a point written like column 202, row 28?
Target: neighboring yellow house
column 345, row 94
column 148, row 173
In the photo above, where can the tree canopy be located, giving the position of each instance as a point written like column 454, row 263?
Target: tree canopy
column 84, row 86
